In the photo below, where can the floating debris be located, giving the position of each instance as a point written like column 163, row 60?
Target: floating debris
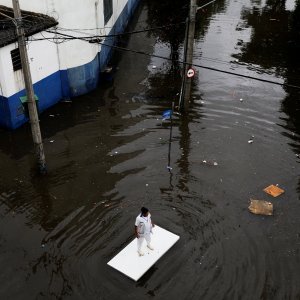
column 241, row 100
column 153, row 67
column 167, row 114
column 108, row 69
column 210, row 163
column 261, row 207
column 52, row 141
column 250, row 141
column 273, row 190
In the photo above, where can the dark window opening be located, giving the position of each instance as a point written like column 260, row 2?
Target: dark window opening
column 16, row 59
column 108, row 10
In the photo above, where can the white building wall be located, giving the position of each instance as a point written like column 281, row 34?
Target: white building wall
column 11, row 81
column 75, row 14
column 43, row 60
column 2, row 73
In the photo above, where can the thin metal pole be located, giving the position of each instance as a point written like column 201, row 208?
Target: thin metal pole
column 170, row 139
column 33, row 114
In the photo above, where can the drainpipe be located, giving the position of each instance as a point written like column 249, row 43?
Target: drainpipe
column 97, row 31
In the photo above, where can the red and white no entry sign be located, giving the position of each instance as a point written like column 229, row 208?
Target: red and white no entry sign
column 190, row 73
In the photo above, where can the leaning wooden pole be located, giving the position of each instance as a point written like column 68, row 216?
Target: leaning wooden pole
column 33, row 114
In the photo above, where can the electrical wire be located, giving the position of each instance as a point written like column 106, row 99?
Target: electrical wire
column 201, row 66
column 132, row 32
column 200, row 7
column 96, row 28
column 97, row 41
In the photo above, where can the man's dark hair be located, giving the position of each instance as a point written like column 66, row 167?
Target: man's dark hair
column 144, row 210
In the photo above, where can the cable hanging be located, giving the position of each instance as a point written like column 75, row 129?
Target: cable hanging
column 202, row 67
column 96, row 40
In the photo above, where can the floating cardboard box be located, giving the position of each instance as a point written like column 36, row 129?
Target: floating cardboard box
column 273, row 190
column 261, row 207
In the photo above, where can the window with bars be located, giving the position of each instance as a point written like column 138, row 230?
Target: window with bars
column 108, row 10
column 16, row 59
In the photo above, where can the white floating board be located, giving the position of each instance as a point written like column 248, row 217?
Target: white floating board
column 134, row 266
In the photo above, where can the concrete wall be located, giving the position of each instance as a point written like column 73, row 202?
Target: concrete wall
column 75, row 14
column 61, row 70
column 44, row 67
column 43, row 62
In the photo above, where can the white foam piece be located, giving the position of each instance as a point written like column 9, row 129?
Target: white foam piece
column 134, row 266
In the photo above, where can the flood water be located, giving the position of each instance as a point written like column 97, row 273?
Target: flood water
column 107, row 155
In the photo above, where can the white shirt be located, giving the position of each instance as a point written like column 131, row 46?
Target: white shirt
column 143, row 224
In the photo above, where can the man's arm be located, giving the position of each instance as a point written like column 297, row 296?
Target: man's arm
column 136, row 231
column 152, row 223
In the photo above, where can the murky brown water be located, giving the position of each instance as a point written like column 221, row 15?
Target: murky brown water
column 107, row 155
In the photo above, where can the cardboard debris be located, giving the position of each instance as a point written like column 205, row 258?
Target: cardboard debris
column 273, row 190
column 261, row 207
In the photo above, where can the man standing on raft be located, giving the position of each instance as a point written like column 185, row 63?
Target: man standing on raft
column 143, row 229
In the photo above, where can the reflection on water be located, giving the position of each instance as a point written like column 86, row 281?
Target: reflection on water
column 108, row 155
column 275, row 45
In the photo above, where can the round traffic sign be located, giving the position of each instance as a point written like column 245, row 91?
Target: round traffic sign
column 190, row 73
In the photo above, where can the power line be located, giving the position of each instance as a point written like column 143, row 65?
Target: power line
column 59, row 40
column 95, row 28
column 95, row 39
column 126, row 33
column 202, row 67
column 200, row 7
column 123, row 33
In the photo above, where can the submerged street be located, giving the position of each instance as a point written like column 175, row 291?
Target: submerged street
column 107, row 155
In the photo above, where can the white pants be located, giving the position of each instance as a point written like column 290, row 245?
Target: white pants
column 146, row 236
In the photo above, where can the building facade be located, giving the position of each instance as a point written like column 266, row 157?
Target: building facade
column 67, row 68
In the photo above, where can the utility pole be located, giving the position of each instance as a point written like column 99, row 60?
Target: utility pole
column 186, row 90
column 33, row 114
